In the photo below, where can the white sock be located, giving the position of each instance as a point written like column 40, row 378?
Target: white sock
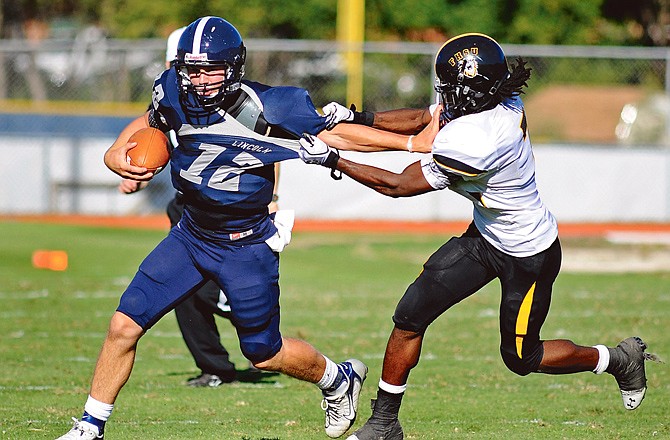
column 603, row 359
column 393, row 389
column 329, row 375
column 98, row 409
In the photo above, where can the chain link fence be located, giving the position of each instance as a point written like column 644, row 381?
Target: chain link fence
column 64, row 102
column 97, row 70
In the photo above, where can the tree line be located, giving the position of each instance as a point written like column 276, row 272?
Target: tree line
column 562, row 22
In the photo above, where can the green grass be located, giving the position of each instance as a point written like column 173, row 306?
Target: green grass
column 338, row 292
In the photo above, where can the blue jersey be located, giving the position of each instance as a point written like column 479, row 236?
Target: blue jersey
column 224, row 161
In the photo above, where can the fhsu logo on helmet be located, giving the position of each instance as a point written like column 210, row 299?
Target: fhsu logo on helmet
column 466, row 60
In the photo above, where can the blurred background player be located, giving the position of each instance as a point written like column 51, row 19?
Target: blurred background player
column 482, row 152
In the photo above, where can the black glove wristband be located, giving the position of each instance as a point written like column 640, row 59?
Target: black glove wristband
column 364, row 118
column 331, row 160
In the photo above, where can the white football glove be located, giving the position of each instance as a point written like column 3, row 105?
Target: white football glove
column 336, row 113
column 315, row 151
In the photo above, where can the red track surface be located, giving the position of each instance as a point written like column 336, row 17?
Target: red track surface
column 368, row 226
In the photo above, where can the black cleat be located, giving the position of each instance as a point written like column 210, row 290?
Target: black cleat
column 627, row 367
column 210, row 380
column 379, row 427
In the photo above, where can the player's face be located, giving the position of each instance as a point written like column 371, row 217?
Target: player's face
column 207, row 80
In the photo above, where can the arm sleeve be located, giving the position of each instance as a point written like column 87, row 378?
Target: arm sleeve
column 292, row 109
column 434, row 176
column 159, row 107
column 152, row 120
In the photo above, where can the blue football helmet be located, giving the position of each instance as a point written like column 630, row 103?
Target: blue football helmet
column 209, row 42
column 469, row 70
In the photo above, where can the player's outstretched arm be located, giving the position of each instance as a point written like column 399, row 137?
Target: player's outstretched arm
column 355, row 137
column 116, row 157
column 410, row 182
column 402, row 121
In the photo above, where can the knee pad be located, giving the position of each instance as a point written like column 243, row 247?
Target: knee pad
column 135, row 304
column 260, row 343
column 259, row 347
column 529, row 363
column 410, row 313
column 256, row 352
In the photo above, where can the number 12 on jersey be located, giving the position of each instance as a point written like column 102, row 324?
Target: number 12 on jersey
column 226, row 177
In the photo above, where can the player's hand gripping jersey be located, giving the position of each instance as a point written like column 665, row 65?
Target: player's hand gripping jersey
column 224, row 160
column 487, row 157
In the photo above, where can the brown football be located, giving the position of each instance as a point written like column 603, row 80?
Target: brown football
column 152, row 150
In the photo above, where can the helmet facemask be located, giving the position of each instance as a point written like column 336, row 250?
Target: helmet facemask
column 460, row 98
column 457, row 100
column 202, row 94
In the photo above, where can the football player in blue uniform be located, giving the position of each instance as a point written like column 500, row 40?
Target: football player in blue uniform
column 230, row 133
column 482, row 152
column 196, row 314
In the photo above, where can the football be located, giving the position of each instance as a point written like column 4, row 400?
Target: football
column 152, row 150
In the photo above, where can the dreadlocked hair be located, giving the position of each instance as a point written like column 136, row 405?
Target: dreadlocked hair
column 513, row 86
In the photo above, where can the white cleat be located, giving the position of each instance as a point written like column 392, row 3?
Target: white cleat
column 341, row 409
column 82, row 431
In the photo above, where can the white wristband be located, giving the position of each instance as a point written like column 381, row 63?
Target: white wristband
column 409, row 143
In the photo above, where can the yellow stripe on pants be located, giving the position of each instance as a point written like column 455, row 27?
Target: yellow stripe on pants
column 522, row 319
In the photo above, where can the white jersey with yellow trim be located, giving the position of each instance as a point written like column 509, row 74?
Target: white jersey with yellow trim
column 487, row 157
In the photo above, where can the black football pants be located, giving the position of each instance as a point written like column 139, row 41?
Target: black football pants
column 464, row 265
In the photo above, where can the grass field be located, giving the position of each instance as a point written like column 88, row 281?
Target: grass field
column 338, row 292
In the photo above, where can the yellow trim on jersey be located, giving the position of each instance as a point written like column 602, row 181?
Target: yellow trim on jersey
column 454, row 169
column 522, row 319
